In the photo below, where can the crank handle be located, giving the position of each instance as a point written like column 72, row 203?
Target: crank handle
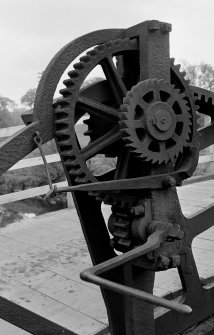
column 89, row 275
column 93, row 275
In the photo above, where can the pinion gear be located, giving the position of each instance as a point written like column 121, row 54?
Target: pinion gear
column 156, row 121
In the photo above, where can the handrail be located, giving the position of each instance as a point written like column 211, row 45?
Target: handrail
column 26, row 163
column 51, row 158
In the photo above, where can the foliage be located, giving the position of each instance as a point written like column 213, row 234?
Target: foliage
column 28, row 98
column 6, row 116
column 7, row 104
column 201, row 75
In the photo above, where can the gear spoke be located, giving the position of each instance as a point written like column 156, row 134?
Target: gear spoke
column 95, row 108
column 95, row 147
column 176, row 137
column 138, row 124
column 162, row 146
column 114, row 79
column 146, row 142
column 156, row 94
column 171, row 100
column 143, row 104
column 180, row 118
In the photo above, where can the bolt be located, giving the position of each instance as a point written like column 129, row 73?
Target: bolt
column 137, row 210
column 150, row 256
column 169, row 182
column 163, row 120
column 175, row 260
column 153, row 25
column 188, row 268
column 163, row 262
column 166, row 27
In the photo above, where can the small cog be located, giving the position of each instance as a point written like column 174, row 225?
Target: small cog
column 156, row 121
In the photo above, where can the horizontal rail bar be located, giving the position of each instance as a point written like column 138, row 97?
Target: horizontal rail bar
column 34, row 161
column 29, row 193
column 198, row 179
column 9, row 131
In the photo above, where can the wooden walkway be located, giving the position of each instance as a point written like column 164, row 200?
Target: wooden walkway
column 40, row 261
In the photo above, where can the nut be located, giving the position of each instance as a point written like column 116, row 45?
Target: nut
column 154, row 25
column 166, row 27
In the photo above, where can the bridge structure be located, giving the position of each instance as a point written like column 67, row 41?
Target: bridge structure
column 41, row 259
column 143, row 117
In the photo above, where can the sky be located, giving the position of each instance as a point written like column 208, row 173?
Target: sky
column 32, row 31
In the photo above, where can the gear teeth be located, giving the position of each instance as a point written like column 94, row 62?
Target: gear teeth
column 63, row 142
column 85, row 59
column 74, row 172
column 67, row 153
column 177, row 66
column 62, row 132
column 60, row 122
column 63, row 103
column 100, row 48
column 66, row 92
column 79, row 66
column 92, row 53
column 68, row 83
column 183, row 74
column 61, row 111
column 126, row 100
column 71, row 162
column 73, row 74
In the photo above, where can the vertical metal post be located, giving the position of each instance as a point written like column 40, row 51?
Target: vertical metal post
column 154, row 63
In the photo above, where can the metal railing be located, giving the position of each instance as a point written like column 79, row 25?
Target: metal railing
column 26, row 163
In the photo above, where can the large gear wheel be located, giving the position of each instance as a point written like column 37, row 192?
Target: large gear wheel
column 102, row 102
column 156, row 121
column 103, row 111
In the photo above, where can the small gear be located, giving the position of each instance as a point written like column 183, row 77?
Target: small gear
column 156, row 121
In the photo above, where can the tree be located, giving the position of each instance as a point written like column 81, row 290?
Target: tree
column 7, row 104
column 6, row 107
column 28, row 98
column 201, row 75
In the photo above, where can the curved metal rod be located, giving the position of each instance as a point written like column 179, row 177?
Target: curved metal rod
column 93, row 275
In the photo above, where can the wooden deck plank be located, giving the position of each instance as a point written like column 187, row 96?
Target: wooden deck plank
column 40, row 261
column 48, row 307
